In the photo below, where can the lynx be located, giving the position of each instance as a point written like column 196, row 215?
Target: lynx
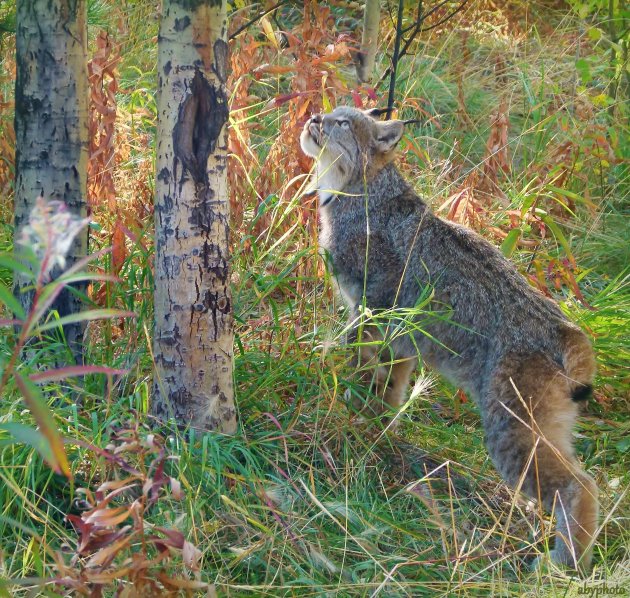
column 509, row 347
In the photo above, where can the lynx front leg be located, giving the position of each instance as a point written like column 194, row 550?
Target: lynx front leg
column 398, row 382
column 365, row 368
column 382, row 373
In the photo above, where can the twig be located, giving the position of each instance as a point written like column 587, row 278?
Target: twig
column 435, row 9
column 395, row 59
column 446, row 18
column 257, row 18
column 417, row 23
column 417, row 28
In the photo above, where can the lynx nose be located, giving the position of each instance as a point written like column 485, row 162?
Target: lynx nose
column 317, row 118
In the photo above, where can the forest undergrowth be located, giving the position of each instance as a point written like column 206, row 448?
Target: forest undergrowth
column 523, row 136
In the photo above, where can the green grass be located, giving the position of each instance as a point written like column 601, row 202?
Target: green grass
column 306, row 500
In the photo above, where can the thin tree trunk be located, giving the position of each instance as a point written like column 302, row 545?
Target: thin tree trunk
column 51, row 126
column 193, row 341
column 369, row 41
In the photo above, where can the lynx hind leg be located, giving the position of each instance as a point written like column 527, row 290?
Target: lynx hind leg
column 538, row 451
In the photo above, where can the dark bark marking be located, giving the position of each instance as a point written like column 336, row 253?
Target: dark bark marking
column 181, row 25
column 201, row 216
column 181, row 396
column 220, row 59
column 171, row 339
column 172, row 265
column 202, row 116
column 164, row 176
column 213, row 304
column 167, row 70
column 214, row 262
column 193, row 5
column 168, row 203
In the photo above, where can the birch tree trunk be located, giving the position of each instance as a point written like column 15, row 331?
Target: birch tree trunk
column 51, row 126
column 193, row 340
column 369, row 41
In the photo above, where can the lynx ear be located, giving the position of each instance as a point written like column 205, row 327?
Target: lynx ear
column 388, row 134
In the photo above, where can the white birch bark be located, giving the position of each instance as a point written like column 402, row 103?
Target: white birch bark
column 193, row 340
column 51, row 126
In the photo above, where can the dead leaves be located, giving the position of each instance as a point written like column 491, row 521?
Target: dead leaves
column 496, row 160
column 310, row 57
column 117, row 547
column 103, row 83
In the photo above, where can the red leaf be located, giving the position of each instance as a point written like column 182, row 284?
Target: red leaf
column 356, row 98
column 191, row 556
column 283, row 99
column 174, row 537
column 6, row 322
column 176, row 489
column 106, row 555
column 107, row 517
column 119, row 249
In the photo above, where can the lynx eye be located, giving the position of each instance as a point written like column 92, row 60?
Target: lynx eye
column 344, row 124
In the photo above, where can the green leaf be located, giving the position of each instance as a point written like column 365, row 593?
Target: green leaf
column 528, row 202
column 9, row 299
column 94, row 314
column 31, row 437
column 570, row 194
column 509, row 243
column 623, row 445
column 555, row 229
column 34, row 400
column 584, row 68
column 326, row 103
column 10, row 263
column 584, row 8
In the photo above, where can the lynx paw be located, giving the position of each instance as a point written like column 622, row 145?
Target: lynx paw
column 369, row 410
column 554, row 557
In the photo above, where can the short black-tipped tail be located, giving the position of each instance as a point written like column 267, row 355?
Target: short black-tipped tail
column 582, row 393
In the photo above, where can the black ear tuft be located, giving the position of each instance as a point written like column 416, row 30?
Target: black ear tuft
column 375, row 112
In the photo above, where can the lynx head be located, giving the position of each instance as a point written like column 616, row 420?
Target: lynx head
column 349, row 146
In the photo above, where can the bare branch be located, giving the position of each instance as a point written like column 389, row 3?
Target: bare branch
column 417, row 28
column 446, row 18
column 395, row 59
column 257, row 18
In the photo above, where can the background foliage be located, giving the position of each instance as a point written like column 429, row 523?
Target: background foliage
column 524, row 137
